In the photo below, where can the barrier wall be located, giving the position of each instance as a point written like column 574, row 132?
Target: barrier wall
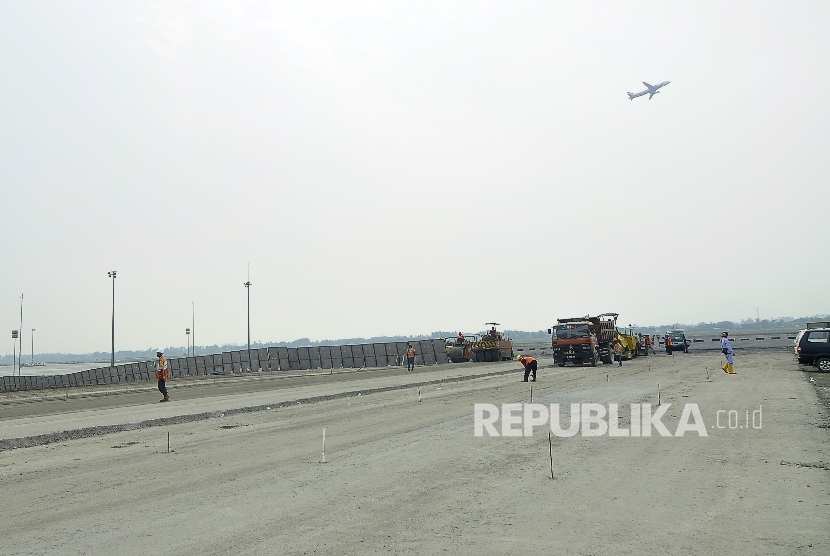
column 350, row 356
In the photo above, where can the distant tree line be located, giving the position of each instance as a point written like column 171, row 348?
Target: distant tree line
column 746, row 325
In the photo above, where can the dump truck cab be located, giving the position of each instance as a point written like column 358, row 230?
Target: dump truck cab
column 583, row 341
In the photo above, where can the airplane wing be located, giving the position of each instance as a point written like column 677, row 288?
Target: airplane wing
column 647, row 85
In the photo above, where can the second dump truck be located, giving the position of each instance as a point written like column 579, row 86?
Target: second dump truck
column 584, row 341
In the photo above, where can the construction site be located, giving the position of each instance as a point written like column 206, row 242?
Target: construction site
column 257, row 461
column 413, row 278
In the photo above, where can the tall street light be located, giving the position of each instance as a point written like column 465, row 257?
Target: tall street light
column 248, row 287
column 112, row 274
column 187, row 331
column 20, row 358
column 33, row 347
column 14, row 349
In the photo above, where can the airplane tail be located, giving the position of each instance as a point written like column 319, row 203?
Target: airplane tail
column 630, row 96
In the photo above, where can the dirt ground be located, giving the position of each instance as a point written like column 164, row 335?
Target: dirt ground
column 404, row 476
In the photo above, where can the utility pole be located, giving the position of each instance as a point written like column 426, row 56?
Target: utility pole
column 20, row 336
column 248, row 287
column 193, row 327
column 112, row 274
column 187, row 331
column 14, row 349
column 33, row 347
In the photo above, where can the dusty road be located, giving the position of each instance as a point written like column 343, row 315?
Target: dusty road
column 404, row 476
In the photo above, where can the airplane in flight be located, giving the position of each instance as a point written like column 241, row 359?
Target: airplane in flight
column 651, row 91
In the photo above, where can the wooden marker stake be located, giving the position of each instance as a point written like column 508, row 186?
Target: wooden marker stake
column 550, row 447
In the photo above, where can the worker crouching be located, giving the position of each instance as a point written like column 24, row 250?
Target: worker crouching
column 530, row 366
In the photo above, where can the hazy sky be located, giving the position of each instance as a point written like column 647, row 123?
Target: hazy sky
column 399, row 168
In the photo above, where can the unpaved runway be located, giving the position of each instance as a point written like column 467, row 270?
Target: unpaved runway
column 409, row 477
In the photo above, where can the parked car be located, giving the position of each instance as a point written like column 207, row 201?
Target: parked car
column 678, row 342
column 812, row 347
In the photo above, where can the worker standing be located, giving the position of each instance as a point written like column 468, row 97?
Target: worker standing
column 649, row 345
column 459, row 340
column 530, row 366
column 162, row 374
column 726, row 348
column 410, row 358
column 668, row 344
column 618, row 352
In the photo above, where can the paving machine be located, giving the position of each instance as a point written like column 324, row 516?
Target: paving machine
column 630, row 343
column 493, row 346
column 460, row 349
column 584, row 341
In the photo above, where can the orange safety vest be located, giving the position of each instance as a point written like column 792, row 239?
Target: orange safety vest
column 527, row 360
column 162, row 373
column 410, row 353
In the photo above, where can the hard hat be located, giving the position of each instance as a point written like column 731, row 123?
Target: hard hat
column 159, row 350
column 518, row 358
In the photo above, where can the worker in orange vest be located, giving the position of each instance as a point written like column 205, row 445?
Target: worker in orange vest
column 410, row 358
column 530, row 366
column 618, row 351
column 162, row 374
column 649, row 345
column 668, row 344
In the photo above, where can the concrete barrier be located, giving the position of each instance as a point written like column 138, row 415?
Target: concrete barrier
column 427, row 352
column 369, row 359
column 227, row 363
column 358, row 357
column 278, row 358
column 315, row 358
column 325, row 357
column 336, row 357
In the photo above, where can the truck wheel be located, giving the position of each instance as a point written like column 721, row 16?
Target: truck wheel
column 823, row 364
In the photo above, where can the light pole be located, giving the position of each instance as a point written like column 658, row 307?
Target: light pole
column 187, row 331
column 248, row 287
column 112, row 274
column 193, row 326
column 14, row 349
column 20, row 358
column 33, row 347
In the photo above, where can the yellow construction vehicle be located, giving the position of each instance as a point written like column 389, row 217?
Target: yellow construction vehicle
column 493, row 346
column 460, row 348
column 630, row 344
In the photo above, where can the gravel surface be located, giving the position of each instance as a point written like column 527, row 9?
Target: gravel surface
column 403, row 476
